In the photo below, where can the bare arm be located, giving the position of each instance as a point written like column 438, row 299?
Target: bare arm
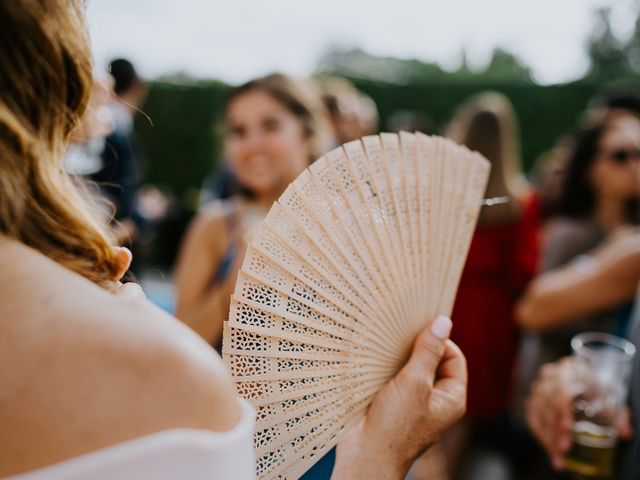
column 606, row 277
column 201, row 304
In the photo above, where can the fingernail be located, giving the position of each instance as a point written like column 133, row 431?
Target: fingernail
column 441, row 327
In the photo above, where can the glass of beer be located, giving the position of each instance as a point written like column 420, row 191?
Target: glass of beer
column 603, row 367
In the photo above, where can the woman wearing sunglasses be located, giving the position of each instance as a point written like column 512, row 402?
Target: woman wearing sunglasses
column 600, row 191
column 599, row 201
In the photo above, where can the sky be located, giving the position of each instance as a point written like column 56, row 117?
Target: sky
column 236, row 40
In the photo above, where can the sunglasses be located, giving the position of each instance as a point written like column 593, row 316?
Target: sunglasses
column 622, row 156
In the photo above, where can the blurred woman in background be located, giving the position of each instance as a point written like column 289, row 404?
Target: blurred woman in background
column 599, row 198
column 502, row 259
column 598, row 203
column 275, row 127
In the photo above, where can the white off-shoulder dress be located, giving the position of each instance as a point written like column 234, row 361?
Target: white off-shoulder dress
column 183, row 454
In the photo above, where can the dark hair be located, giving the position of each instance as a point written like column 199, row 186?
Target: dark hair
column 124, row 75
column 578, row 197
column 619, row 99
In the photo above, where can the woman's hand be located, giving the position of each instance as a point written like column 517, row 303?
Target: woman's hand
column 550, row 408
column 410, row 413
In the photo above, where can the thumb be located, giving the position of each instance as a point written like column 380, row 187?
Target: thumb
column 430, row 346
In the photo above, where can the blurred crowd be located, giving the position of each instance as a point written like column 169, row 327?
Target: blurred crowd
column 558, row 258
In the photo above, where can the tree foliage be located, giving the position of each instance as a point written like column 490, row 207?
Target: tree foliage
column 503, row 66
column 608, row 55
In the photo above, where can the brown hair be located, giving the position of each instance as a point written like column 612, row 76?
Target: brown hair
column 301, row 99
column 45, row 82
column 487, row 124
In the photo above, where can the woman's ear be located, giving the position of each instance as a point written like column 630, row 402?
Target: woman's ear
column 124, row 258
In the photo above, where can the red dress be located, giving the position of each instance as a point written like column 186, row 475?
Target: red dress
column 502, row 259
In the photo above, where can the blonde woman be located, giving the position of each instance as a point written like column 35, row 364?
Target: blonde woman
column 95, row 381
column 502, row 259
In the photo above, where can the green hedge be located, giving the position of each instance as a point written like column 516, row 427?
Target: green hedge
column 178, row 135
column 182, row 144
column 544, row 113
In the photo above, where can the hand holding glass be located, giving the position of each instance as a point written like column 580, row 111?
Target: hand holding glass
column 604, row 366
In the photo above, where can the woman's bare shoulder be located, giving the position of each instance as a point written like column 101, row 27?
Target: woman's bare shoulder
column 90, row 369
